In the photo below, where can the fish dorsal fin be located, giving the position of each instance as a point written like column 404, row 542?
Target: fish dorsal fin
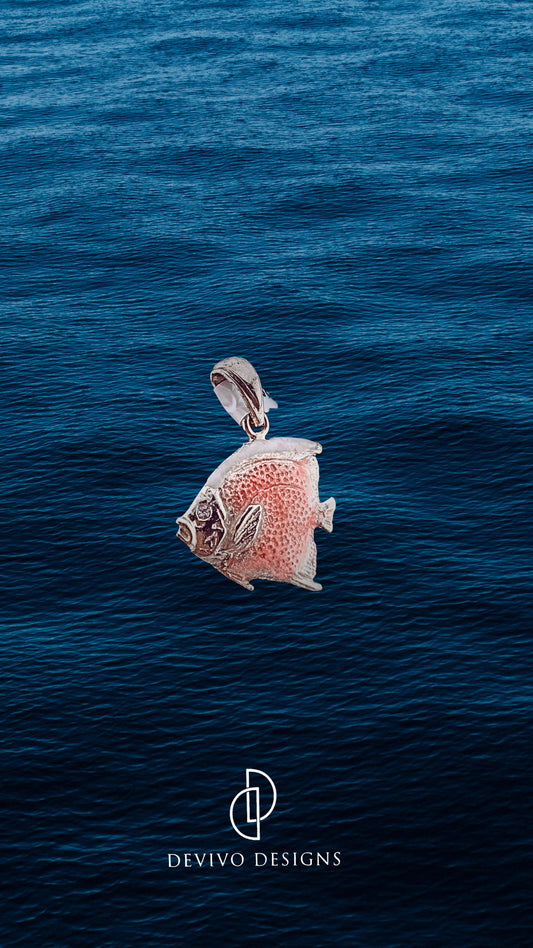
column 247, row 527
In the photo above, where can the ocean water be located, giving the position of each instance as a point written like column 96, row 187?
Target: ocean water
column 341, row 193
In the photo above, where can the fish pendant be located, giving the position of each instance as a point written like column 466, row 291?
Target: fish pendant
column 256, row 515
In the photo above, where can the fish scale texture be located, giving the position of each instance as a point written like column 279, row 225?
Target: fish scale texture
column 286, row 491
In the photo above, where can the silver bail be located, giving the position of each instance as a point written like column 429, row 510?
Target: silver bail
column 239, row 390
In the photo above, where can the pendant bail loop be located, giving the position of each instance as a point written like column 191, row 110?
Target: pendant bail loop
column 238, row 388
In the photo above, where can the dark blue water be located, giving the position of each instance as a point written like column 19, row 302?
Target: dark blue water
column 340, row 192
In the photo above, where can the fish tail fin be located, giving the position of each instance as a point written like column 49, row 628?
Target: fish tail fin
column 325, row 514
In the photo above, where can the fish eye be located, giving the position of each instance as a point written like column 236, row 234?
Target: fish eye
column 203, row 511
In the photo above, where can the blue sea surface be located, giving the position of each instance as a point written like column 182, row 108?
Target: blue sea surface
column 342, row 193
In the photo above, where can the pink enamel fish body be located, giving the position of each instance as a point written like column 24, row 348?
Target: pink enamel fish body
column 256, row 515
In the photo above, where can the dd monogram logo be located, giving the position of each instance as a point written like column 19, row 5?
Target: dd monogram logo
column 252, row 809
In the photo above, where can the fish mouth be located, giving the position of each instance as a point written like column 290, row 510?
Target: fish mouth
column 184, row 532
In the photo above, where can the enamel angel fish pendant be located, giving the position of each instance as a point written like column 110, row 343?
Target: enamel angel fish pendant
column 256, row 515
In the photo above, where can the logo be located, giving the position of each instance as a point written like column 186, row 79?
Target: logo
column 250, row 810
column 250, row 807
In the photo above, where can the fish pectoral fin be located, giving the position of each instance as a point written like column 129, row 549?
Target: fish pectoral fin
column 325, row 514
column 247, row 527
column 237, row 579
